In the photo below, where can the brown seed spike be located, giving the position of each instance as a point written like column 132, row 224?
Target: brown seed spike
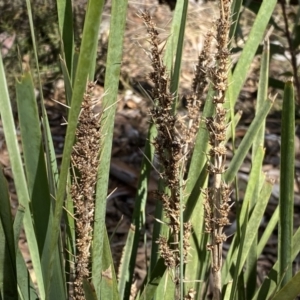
column 85, row 159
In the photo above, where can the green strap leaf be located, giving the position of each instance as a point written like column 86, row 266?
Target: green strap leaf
column 247, row 141
column 287, row 167
column 253, row 41
column 291, row 290
column 8, row 271
column 113, row 65
column 19, row 176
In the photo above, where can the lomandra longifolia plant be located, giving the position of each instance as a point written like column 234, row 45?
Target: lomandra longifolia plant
column 176, row 136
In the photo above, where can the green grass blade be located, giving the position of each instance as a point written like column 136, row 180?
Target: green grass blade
column 52, row 168
column 229, row 105
column 89, row 290
column 8, row 270
column 127, row 266
column 251, row 273
column 199, row 159
column 157, row 229
column 252, row 226
column 109, row 285
column 113, row 64
column 253, row 41
column 244, row 213
column 287, row 166
column 35, row 166
column 154, row 280
column 231, row 129
column 235, row 12
column 176, row 28
column 234, row 285
column 58, row 285
column 290, row 291
column 268, row 231
column 269, row 285
column 197, row 267
column 245, row 210
column 26, row 288
column 70, row 239
column 262, row 93
column 18, row 221
column 197, row 180
column 36, row 175
column 166, row 288
column 89, row 39
column 247, row 141
column 179, row 18
column 43, row 110
column 48, row 143
column 67, row 81
column 19, row 176
column 65, row 22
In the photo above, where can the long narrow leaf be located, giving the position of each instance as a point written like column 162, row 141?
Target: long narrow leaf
column 268, row 231
column 114, row 57
column 199, row 158
column 89, row 39
column 235, row 12
column 48, row 143
column 286, row 200
column 19, row 176
column 251, row 276
column 154, row 280
column 36, row 175
column 26, row 288
column 127, row 266
column 109, row 286
column 291, row 290
column 253, row 41
column 253, row 225
column 179, row 18
column 65, row 22
column 89, row 290
column 245, row 145
column 8, row 270
column 269, row 285
column 34, row 157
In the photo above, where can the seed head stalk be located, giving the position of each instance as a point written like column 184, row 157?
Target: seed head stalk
column 85, row 161
column 217, row 196
column 174, row 136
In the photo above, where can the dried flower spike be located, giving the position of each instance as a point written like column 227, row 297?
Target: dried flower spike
column 171, row 146
column 216, row 202
column 85, row 161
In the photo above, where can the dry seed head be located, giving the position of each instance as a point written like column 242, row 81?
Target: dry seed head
column 204, row 61
column 171, row 258
column 170, row 147
column 190, row 295
column 85, row 160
